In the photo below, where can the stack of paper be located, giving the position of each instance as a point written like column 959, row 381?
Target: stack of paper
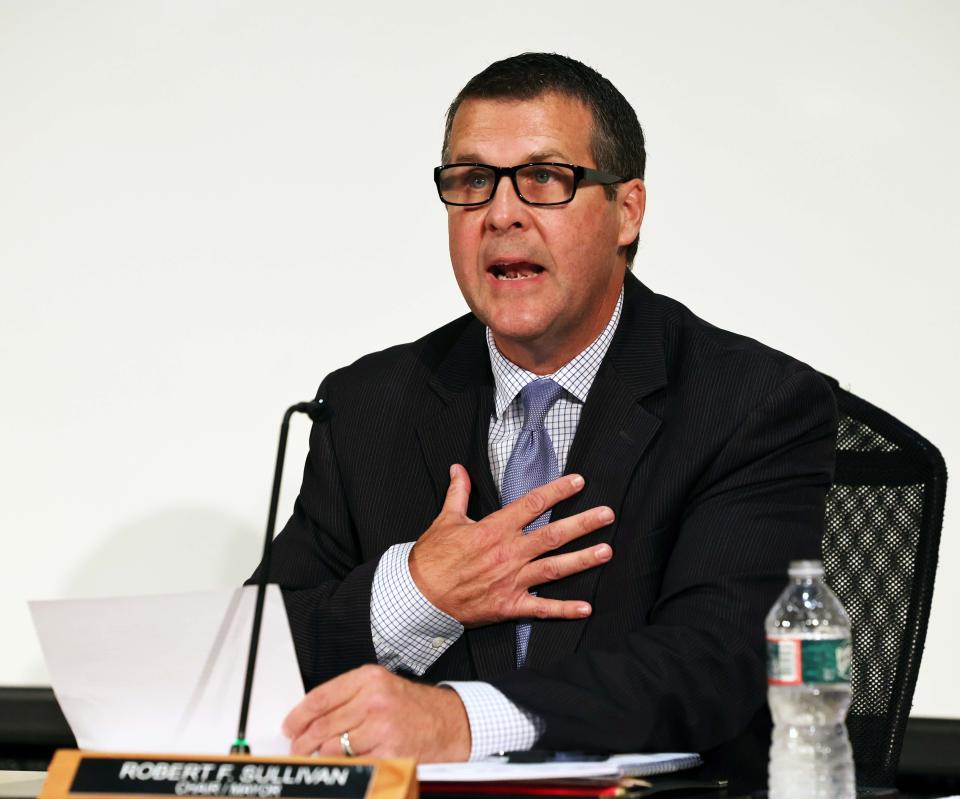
column 496, row 778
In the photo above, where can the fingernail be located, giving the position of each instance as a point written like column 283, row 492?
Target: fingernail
column 603, row 553
column 453, row 471
column 605, row 515
column 584, row 610
column 576, row 480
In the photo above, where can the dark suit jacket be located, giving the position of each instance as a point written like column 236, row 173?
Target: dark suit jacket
column 715, row 453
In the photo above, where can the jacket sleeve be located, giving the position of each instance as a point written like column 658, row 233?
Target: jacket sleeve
column 317, row 561
column 694, row 675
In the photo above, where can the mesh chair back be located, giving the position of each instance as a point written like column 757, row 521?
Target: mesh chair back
column 883, row 520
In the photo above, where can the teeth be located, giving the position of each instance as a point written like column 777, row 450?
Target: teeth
column 509, row 274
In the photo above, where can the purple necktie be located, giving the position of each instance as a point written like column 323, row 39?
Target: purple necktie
column 532, row 463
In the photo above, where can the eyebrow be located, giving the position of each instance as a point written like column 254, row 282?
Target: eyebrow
column 548, row 155
column 539, row 155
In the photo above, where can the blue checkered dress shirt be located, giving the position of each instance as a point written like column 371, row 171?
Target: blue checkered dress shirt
column 408, row 631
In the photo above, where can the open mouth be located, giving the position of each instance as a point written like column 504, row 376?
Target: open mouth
column 520, row 270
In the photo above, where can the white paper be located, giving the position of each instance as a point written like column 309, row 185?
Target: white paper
column 165, row 673
column 496, row 770
column 20, row 784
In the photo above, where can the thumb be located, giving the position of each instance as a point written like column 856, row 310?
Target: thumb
column 458, row 492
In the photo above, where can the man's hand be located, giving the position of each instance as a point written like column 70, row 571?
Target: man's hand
column 385, row 716
column 482, row 572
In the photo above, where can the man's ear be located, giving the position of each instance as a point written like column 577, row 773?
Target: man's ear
column 631, row 202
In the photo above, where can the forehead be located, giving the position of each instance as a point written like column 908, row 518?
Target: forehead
column 507, row 132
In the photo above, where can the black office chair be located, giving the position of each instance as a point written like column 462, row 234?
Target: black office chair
column 884, row 514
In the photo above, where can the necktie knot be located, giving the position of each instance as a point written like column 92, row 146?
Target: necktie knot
column 538, row 397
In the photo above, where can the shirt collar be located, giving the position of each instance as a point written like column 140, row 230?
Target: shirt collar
column 576, row 376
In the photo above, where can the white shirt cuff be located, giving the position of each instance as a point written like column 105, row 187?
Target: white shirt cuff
column 408, row 631
column 496, row 723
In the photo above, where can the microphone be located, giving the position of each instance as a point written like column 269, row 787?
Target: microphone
column 317, row 411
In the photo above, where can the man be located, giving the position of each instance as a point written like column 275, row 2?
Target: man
column 616, row 607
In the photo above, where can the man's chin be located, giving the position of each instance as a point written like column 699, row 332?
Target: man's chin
column 523, row 333
column 525, row 345
column 519, row 321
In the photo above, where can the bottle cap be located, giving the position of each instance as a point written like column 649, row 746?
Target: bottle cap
column 806, row 568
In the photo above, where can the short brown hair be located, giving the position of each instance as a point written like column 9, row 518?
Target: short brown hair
column 617, row 140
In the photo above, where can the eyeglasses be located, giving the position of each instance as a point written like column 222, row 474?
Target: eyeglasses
column 539, row 183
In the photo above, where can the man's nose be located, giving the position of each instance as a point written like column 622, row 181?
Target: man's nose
column 506, row 209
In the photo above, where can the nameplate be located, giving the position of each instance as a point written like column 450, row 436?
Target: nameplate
column 89, row 775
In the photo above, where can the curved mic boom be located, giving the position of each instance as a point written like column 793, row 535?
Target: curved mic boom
column 318, row 411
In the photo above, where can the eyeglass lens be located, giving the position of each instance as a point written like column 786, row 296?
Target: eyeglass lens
column 537, row 183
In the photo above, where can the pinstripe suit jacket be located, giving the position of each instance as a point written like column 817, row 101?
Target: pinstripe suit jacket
column 715, row 452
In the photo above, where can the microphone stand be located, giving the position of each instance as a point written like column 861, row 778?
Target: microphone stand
column 316, row 410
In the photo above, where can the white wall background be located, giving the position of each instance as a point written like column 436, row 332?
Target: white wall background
column 192, row 234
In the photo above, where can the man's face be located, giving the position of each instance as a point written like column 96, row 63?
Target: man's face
column 545, row 279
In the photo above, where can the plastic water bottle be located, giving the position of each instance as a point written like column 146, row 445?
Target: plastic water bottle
column 808, row 676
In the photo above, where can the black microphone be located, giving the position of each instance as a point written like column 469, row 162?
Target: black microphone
column 317, row 411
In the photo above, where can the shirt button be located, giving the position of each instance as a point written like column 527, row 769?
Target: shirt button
column 438, row 642
column 376, row 639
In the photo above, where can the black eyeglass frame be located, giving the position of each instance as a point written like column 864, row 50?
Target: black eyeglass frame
column 580, row 173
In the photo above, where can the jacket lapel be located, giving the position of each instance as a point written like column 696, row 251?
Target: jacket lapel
column 455, row 430
column 613, row 433
column 453, row 435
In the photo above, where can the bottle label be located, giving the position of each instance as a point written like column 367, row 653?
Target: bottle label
column 794, row 661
